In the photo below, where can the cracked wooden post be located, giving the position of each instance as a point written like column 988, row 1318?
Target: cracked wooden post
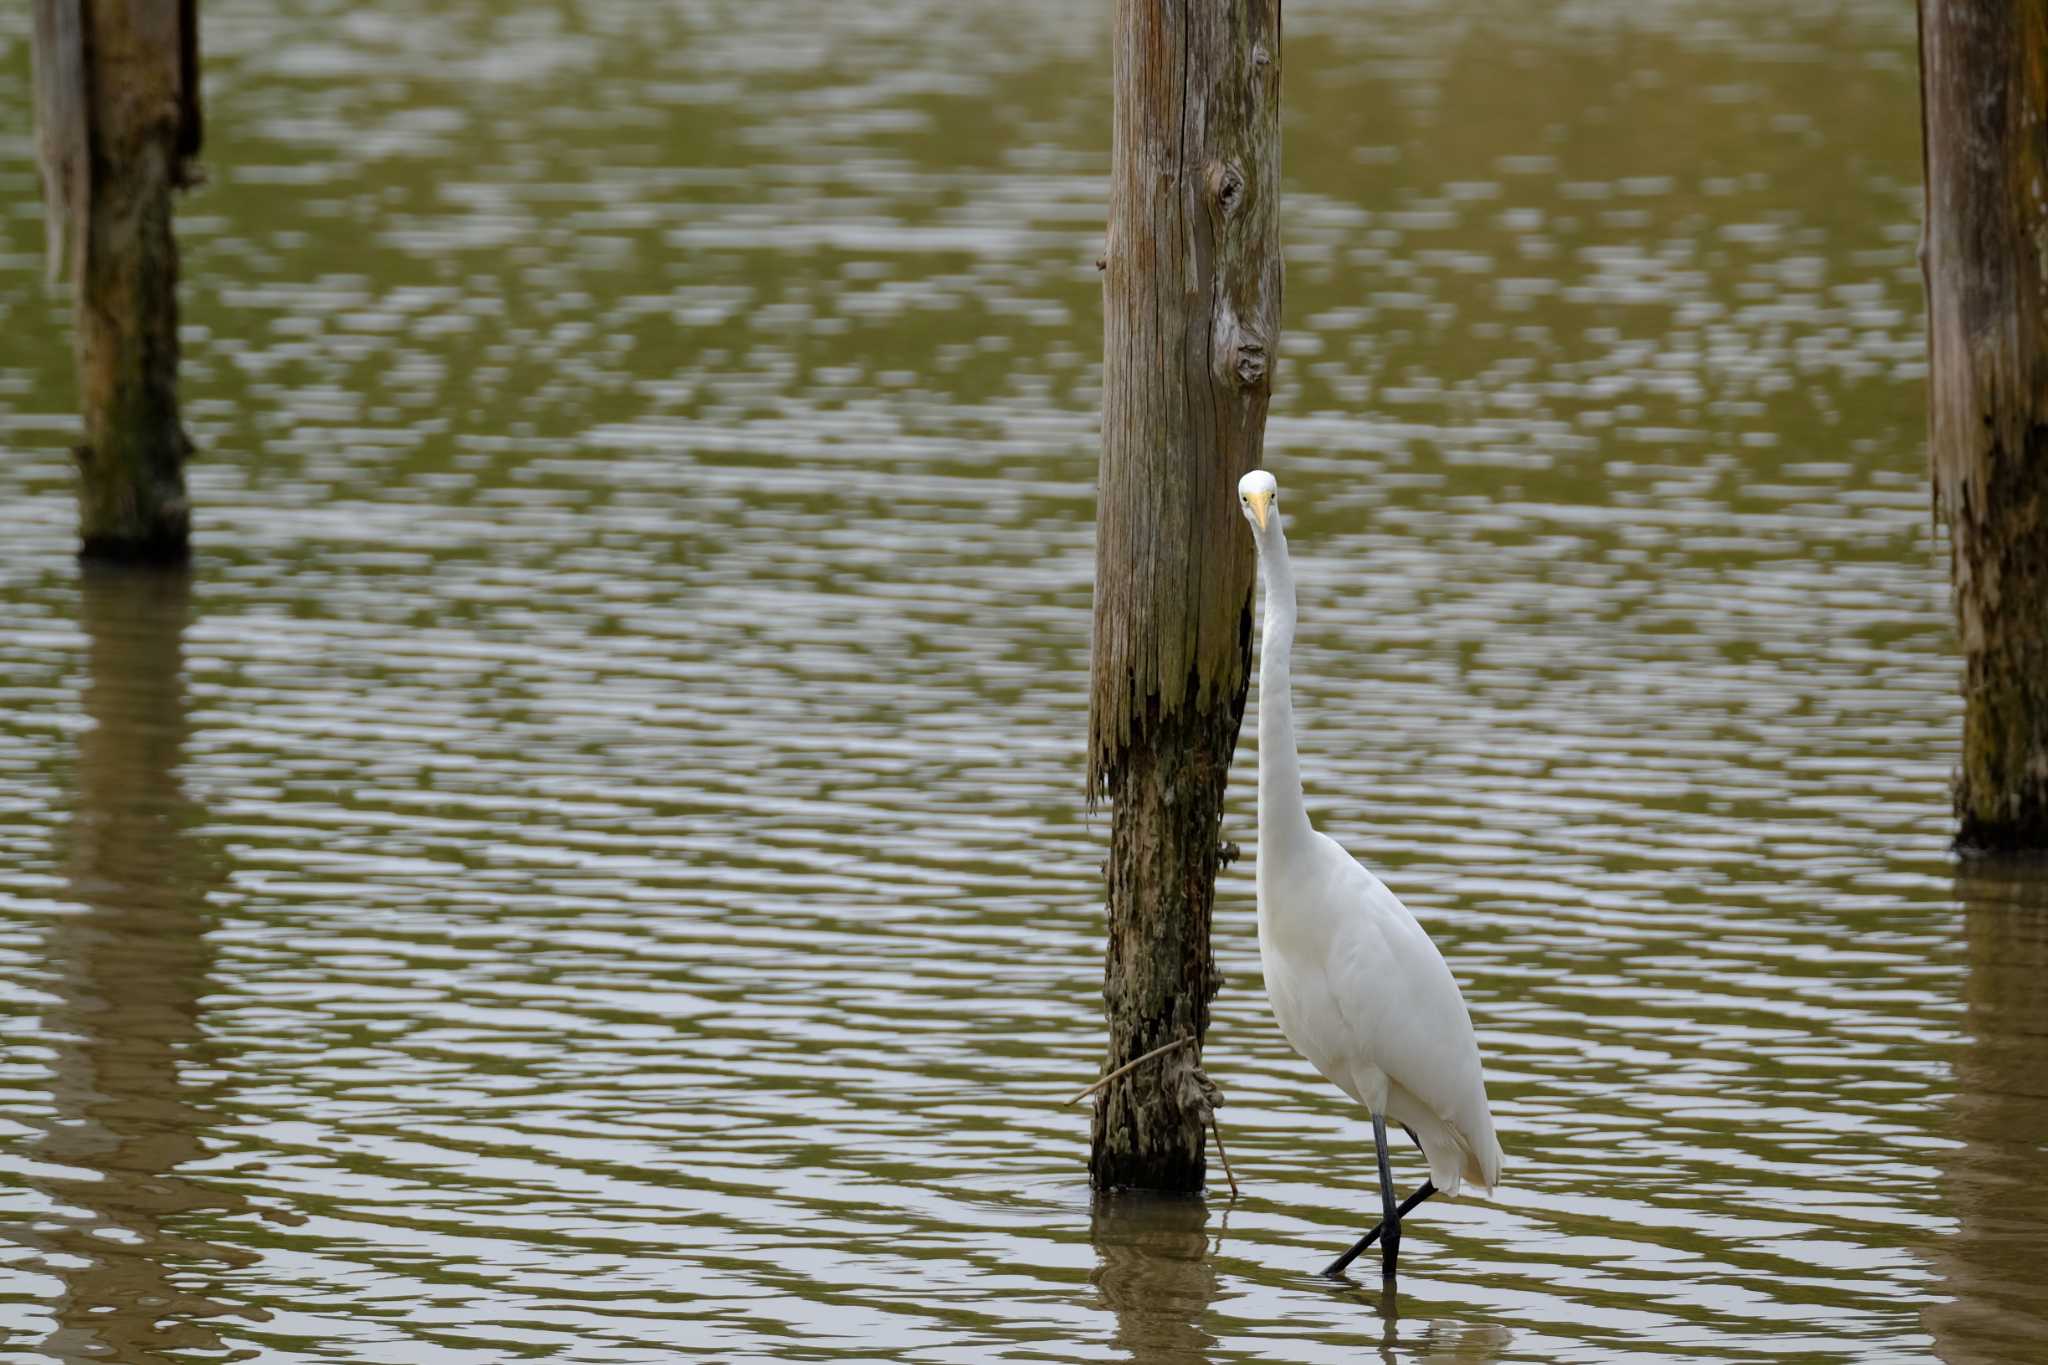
column 117, row 121
column 1984, row 108
column 1191, row 321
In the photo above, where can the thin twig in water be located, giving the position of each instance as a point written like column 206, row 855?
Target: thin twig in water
column 1217, row 1129
column 1129, row 1066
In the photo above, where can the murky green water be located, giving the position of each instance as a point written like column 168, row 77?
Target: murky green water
column 591, row 866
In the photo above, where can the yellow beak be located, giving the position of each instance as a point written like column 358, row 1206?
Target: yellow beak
column 1260, row 502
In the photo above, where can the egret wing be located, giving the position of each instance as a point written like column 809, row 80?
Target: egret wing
column 1408, row 1018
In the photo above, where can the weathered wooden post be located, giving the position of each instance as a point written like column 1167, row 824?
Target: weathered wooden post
column 117, row 117
column 1191, row 322
column 1984, row 107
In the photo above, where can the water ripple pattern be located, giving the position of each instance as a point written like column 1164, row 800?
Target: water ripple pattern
column 591, row 864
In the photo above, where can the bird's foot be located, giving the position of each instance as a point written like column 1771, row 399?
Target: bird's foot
column 1337, row 1267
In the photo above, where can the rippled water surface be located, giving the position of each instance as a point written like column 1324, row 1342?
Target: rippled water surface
column 590, row 865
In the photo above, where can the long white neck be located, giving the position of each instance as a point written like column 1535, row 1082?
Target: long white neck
column 1283, row 816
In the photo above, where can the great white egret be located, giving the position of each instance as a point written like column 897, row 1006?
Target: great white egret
column 1356, row 984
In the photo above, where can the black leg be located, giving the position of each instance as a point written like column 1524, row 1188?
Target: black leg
column 1338, row 1266
column 1390, row 1216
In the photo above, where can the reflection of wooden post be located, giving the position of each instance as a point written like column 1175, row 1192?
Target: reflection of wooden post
column 117, row 102
column 1990, row 1274
column 127, row 981
column 1153, row 1270
column 1191, row 320
column 1984, row 105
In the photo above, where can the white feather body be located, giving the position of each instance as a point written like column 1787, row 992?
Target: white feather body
column 1356, row 984
column 1363, row 994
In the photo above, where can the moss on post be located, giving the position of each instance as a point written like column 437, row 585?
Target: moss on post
column 1191, row 319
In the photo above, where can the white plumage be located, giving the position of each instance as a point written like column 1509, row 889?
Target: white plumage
column 1356, row 984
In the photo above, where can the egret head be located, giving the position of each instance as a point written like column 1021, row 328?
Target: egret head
column 1258, row 496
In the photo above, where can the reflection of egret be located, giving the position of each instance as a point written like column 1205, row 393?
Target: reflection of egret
column 1355, row 982
column 1153, row 1270
column 128, row 975
column 1991, row 1267
column 1442, row 1342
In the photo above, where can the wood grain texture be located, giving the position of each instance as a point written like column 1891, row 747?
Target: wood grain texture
column 63, row 149
column 1191, row 321
column 1984, row 104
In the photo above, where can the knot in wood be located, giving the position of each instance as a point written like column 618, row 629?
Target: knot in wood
column 1226, row 186
column 1249, row 361
column 1260, row 57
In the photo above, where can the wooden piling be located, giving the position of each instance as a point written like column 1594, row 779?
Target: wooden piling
column 117, row 112
column 1191, row 325
column 1984, row 105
